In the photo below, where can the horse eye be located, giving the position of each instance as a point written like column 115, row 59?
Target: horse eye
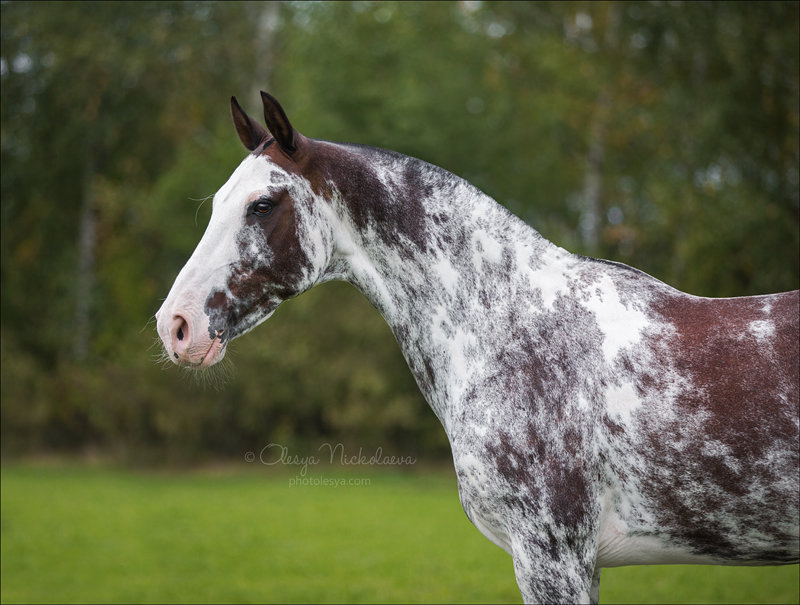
column 262, row 208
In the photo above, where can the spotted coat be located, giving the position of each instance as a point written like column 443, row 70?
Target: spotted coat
column 597, row 416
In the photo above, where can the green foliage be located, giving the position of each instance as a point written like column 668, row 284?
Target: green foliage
column 82, row 535
column 685, row 114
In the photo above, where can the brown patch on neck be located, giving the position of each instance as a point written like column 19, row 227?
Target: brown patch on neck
column 397, row 215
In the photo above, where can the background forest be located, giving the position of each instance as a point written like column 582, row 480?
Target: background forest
column 662, row 135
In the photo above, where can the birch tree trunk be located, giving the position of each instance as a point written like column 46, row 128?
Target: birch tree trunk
column 87, row 242
column 592, row 196
column 267, row 19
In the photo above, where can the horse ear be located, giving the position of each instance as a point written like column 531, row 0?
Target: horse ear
column 278, row 124
column 250, row 132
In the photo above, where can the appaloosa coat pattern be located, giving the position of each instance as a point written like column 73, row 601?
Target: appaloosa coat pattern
column 597, row 416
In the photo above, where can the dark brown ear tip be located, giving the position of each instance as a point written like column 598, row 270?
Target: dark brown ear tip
column 235, row 107
column 268, row 99
column 251, row 133
column 278, row 123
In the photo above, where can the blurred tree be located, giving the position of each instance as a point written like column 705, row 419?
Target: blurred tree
column 726, row 188
column 634, row 122
column 664, row 135
column 96, row 101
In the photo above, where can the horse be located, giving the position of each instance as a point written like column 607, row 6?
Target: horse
column 597, row 416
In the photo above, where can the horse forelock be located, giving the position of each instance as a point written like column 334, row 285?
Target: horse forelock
column 262, row 148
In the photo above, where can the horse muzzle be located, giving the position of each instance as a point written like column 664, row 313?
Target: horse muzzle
column 188, row 340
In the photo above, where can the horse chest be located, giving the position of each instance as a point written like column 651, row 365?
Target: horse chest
column 521, row 467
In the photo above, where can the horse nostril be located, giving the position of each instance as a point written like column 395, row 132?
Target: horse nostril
column 181, row 336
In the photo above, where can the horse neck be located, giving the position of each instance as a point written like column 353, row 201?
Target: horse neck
column 469, row 243
column 435, row 255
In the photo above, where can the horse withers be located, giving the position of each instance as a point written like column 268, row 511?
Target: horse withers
column 597, row 416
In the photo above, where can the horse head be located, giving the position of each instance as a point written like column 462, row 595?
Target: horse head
column 269, row 239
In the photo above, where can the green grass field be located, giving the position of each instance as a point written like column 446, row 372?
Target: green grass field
column 74, row 533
